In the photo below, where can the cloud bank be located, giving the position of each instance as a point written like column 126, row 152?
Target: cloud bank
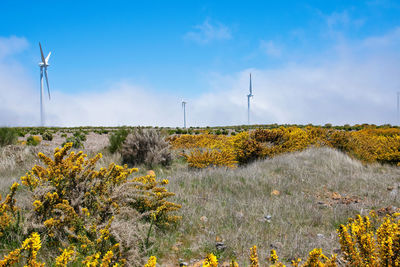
column 357, row 83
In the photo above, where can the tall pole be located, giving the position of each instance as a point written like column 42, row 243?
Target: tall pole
column 41, row 97
column 398, row 107
column 248, row 109
column 184, row 113
column 248, row 101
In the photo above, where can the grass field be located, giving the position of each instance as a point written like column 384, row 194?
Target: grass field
column 292, row 203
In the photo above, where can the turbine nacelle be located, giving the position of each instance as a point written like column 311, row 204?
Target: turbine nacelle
column 41, row 64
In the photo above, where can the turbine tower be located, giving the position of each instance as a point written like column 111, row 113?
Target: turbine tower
column 43, row 70
column 398, row 108
column 248, row 101
column 184, row 113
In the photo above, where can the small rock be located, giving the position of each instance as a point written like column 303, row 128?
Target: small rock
column 220, row 246
column 275, row 193
column 239, row 215
column 320, row 236
column 151, row 173
column 183, row 264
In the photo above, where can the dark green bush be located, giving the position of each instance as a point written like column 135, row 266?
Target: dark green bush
column 117, row 139
column 80, row 135
column 8, row 136
column 21, row 133
column 47, row 136
column 76, row 142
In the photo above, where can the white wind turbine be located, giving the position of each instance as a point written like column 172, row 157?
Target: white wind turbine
column 184, row 113
column 43, row 70
column 248, row 101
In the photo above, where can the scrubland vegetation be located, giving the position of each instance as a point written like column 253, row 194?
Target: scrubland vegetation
column 201, row 197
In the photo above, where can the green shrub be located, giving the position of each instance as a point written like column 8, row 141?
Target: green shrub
column 117, row 138
column 80, row 135
column 76, row 142
column 146, row 146
column 21, row 133
column 64, row 135
column 8, row 136
column 47, row 136
column 33, row 140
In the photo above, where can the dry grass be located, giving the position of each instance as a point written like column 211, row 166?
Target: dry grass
column 318, row 190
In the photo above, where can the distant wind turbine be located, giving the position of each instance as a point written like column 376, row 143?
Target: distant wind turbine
column 184, row 113
column 43, row 70
column 248, row 101
column 398, row 107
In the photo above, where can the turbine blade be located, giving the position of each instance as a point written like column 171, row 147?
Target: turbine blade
column 41, row 53
column 47, row 58
column 47, row 82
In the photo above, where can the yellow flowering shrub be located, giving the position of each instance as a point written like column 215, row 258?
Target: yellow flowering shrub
column 367, row 144
column 151, row 262
column 382, row 145
column 363, row 246
column 254, row 257
column 8, row 210
column 203, row 158
column 79, row 208
column 208, row 150
column 210, row 261
column 31, row 246
column 245, row 148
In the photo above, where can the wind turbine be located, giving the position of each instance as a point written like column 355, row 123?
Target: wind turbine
column 398, row 108
column 248, row 101
column 43, row 70
column 184, row 113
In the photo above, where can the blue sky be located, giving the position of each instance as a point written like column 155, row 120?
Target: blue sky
column 312, row 61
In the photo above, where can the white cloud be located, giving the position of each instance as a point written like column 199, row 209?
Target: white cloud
column 208, row 32
column 270, row 48
column 12, row 45
column 356, row 84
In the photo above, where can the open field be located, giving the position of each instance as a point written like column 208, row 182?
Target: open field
column 291, row 202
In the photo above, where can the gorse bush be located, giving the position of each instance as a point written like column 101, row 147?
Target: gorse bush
column 146, row 147
column 117, row 138
column 93, row 216
column 363, row 246
column 33, row 140
column 8, row 211
column 208, row 150
column 368, row 144
column 8, row 136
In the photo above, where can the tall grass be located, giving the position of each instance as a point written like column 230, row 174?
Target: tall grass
column 8, row 136
column 316, row 191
